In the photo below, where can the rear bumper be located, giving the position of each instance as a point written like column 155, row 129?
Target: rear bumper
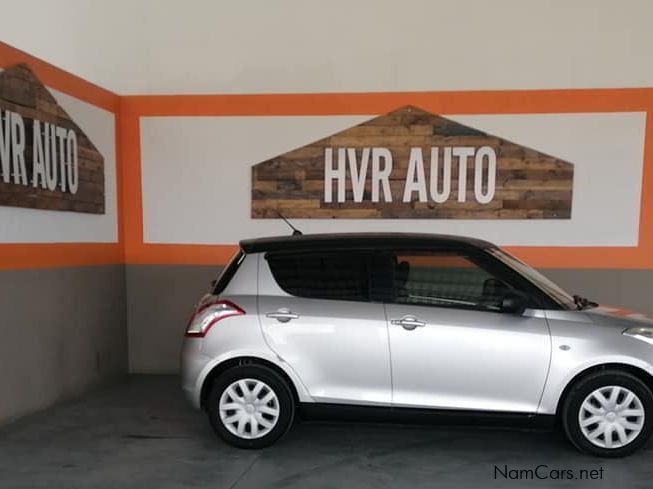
column 193, row 362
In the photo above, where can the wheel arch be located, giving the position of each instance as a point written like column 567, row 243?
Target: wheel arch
column 637, row 372
column 229, row 363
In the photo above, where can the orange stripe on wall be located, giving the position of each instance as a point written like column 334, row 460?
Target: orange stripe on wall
column 56, row 255
column 454, row 102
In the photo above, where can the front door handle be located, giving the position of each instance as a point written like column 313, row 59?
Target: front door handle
column 409, row 322
column 282, row 315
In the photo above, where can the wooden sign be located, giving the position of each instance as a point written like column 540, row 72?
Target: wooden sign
column 46, row 160
column 411, row 164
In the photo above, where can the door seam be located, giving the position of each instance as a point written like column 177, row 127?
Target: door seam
column 259, row 264
column 548, row 370
column 390, row 364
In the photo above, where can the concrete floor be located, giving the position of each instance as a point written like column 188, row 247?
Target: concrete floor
column 140, row 433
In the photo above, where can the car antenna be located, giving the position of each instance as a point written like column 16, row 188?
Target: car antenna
column 295, row 231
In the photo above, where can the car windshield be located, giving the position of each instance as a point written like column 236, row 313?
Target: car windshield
column 559, row 294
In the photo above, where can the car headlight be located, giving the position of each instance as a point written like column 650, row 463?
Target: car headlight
column 641, row 333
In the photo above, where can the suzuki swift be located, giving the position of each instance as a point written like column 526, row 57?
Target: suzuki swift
column 411, row 325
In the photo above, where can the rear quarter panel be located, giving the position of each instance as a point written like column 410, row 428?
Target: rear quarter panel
column 236, row 336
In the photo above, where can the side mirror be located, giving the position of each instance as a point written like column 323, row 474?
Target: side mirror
column 514, row 302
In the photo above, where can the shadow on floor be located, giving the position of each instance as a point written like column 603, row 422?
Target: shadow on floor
column 141, row 433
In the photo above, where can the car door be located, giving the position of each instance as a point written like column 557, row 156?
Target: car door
column 451, row 347
column 315, row 313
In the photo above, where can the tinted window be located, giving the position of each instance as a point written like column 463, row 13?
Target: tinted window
column 337, row 276
column 445, row 279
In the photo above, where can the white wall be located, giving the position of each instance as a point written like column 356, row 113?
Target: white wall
column 196, row 174
column 215, row 46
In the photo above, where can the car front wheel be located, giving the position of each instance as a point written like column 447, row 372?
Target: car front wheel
column 250, row 406
column 608, row 414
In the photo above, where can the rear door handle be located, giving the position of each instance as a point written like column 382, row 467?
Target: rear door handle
column 282, row 315
column 409, row 322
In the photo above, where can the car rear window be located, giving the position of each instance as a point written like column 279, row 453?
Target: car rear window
column 335, row 276
column 228, row 273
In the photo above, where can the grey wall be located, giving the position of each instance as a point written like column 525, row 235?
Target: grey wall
column 61, row 331
column 161, row 299
column 632, row 289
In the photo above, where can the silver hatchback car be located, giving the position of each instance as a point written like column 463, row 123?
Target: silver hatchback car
column 411, row 326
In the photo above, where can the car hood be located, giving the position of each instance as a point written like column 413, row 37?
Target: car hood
column 617, row 316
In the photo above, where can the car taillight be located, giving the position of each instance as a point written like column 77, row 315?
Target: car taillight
column 209, row 314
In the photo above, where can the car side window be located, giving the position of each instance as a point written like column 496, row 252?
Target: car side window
column 331, row 275
column 444, row 279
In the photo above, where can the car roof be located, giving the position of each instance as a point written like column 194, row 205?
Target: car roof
column 335, row 241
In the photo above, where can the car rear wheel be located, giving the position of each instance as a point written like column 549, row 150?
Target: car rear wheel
column 608, row 414
column 250, row 406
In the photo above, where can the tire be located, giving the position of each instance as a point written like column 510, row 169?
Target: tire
column 608, row 429
column 238, row 410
